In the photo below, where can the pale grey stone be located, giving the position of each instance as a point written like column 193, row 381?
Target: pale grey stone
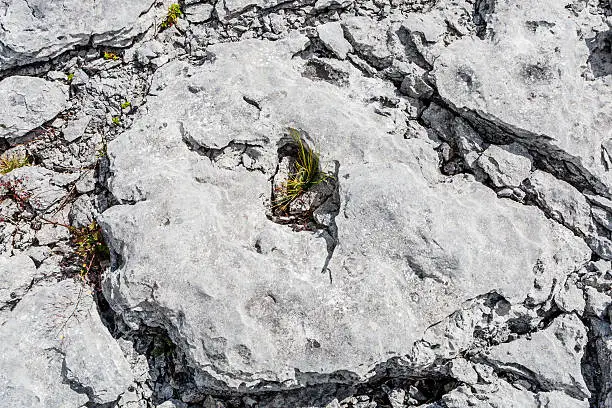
column 602, row 246
column 561, row 201
column 597, row 302
column 506, row 165
column 369, row 39
column 571, row 298
column 172, row 404
column 551, row 356
column 332, row 36
column 50, row 234
column 198, row 13
column 28, row 102
column 602, row 217
column 17, row 273
column 521, row 78
column 76, row 128
column 327, row 4
column 38, row 186
column 463, row 371
column 397, row 232
column 58, row 328
column 37, row 30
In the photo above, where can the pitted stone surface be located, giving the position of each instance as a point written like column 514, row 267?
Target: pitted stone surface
column 246, row 298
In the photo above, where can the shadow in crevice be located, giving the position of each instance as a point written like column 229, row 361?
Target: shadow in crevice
column 600, row 58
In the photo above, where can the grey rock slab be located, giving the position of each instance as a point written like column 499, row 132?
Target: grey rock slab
column 28, row 102
column 526, row 78
column 499, row 394
column 76, row 128
column 244, row 298
column 17, row 273
column 327, row 4
column 561, row 201
column 37, row 30
column 332, row 36
column 602, row 246
column 571, row 298
column 198, row 13
column 369, row 39
column 552, row 356
column 71, row 357
column 602, row 217
column 38, row 186
column 506, row 165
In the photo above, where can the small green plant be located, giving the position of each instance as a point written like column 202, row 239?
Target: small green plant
column 70, row 77
column 102, row 152
column 174, row 13
column 305, row 175
column 14, row 161
column 116, row 121
column 110, row 56
column 126, row 104
column 90, row 248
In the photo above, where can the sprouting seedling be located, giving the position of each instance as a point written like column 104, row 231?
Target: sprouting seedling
column 126, row 104
column 174, row 13
column 70, row 77
column 306, row 174
column 110, row 56
column 116, row 121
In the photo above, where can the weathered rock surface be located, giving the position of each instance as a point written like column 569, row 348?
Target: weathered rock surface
column 57, row 353
column 456, row 257
column 281, row 317
column 28, row 102
column 36, row 30
column 551, row 357
column 527, row 78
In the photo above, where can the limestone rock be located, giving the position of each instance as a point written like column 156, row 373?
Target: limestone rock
column 71, row 357
column 28, row 102
column 332, row 36
column 520, row 78
column 198, row 13
column 551, row 357
column 253, row 301
column 16, row 275
column 369, row 39
column 37, row 30
column 506, row 165
column 561, row 201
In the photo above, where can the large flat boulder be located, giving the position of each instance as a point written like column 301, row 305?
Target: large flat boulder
column 248, row 301
column 36, row 30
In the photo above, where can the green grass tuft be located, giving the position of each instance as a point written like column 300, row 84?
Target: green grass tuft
column 126, row 104
column 13, row 161
column 116, row 121
column 306, row 174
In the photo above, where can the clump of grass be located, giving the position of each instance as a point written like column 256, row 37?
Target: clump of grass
column 305, row 175
column 116, row 121
column 90, row 248
column 13, row 161
column 126, row 104
column 174, row 13
column 70, row 77
column 110, row 56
